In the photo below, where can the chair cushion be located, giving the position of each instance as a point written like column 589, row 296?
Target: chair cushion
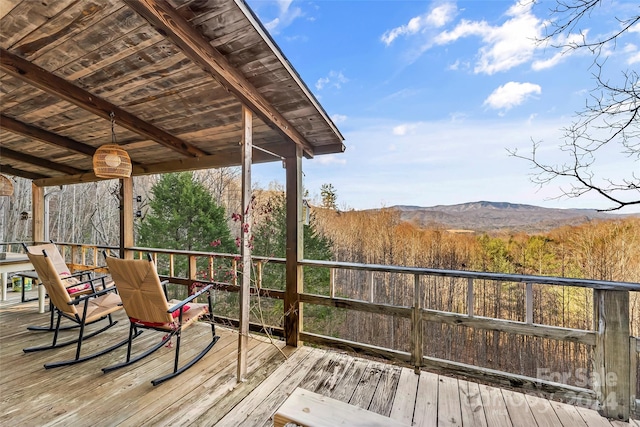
column 80, row 288
column 199, row 310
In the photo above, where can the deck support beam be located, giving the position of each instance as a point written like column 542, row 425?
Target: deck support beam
column 612, row 365
column 294, row 251
column 245, row 234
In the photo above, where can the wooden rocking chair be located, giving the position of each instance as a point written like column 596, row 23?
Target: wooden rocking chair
column 145, row 302
column 77, row 284
column 82, row 310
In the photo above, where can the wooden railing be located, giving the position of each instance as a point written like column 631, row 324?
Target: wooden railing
column 615, row 353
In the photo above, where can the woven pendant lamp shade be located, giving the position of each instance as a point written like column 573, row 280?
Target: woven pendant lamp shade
column 6, row 186
column 111, row 161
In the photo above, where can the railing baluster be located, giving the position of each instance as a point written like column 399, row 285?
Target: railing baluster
column 259, row 274
column 470, row 296
column 529, row 302
column 171, row 265
column 332, row 282
column 417, row 351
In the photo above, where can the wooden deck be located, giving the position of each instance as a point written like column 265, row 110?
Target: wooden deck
column 207, row 394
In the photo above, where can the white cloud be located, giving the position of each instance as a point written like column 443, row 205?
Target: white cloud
column 633, row 52
column 335, row 79
column 504, row 46
column 405, row 129
column 331, row 159
column 435, row 18
column 286, row 15
column 338, row 118
column 511, row 94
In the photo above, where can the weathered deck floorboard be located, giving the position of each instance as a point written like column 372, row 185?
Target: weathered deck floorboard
column 208, row 394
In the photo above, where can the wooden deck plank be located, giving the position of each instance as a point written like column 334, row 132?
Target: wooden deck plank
column 592, row 418
column 518, row 408
column 210, row 396
column 329, row 374
column 349, row 381
column 282, row 382
column 567, row 414
column 449, row 412
column 198, row 396
column 383, row 396
column 405, row 399
column 426, row 410
column 471, row 404
column 134, row 386
column 366, row 387
column 542, row 411
column 239, row 392
column 494, row 406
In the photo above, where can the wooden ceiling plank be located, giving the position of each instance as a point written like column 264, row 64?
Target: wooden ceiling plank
column 45, row 136
column 51, row 83
column 224, row 158
column 168, row 21
column 21, row 173
column 37, row 161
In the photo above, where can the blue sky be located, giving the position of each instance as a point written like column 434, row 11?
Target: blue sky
column 429, row 95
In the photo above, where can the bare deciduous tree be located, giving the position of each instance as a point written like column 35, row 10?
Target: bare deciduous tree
column 610, row 120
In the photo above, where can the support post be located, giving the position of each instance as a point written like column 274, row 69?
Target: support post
column 612, row 364
column 294, row 251
column 37, row 213
column 417, row 351
column 126, row 217
column 245, row 288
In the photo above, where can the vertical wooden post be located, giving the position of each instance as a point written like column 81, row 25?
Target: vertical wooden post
column 470, row 297
column 193, row 268
column 245, row 233
column 417, row 351
column 529, row 302
column 612, row 367
column 370, row 285
column 332, row 282
column 37, row 213
column 294, row 251
column 126, row 217
column 633, row 379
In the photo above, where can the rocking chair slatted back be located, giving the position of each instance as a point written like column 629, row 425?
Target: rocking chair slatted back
column 141, row 290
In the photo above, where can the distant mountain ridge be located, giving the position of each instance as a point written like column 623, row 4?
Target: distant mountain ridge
column 484, row 216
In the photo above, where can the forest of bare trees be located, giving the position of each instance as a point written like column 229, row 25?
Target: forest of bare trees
column 605, row 250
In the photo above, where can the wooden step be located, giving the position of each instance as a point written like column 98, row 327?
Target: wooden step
column 308, row 409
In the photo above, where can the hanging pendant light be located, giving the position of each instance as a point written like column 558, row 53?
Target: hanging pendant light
column 111, row 161
column 6, row 186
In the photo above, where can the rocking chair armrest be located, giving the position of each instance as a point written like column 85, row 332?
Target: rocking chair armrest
column 189, row 299
column 78, row 300
column 88, row 271
column 90, row 281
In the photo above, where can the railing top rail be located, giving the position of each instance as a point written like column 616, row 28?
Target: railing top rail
column 466, row 274
column 201, row 253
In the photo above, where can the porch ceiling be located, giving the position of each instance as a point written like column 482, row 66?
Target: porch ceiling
column 175, row 74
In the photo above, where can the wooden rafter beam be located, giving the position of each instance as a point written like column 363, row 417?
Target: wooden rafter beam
column 19, row 172
column 33, row 132
column 33, row 160
column 57, row 86
column 170, row 23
